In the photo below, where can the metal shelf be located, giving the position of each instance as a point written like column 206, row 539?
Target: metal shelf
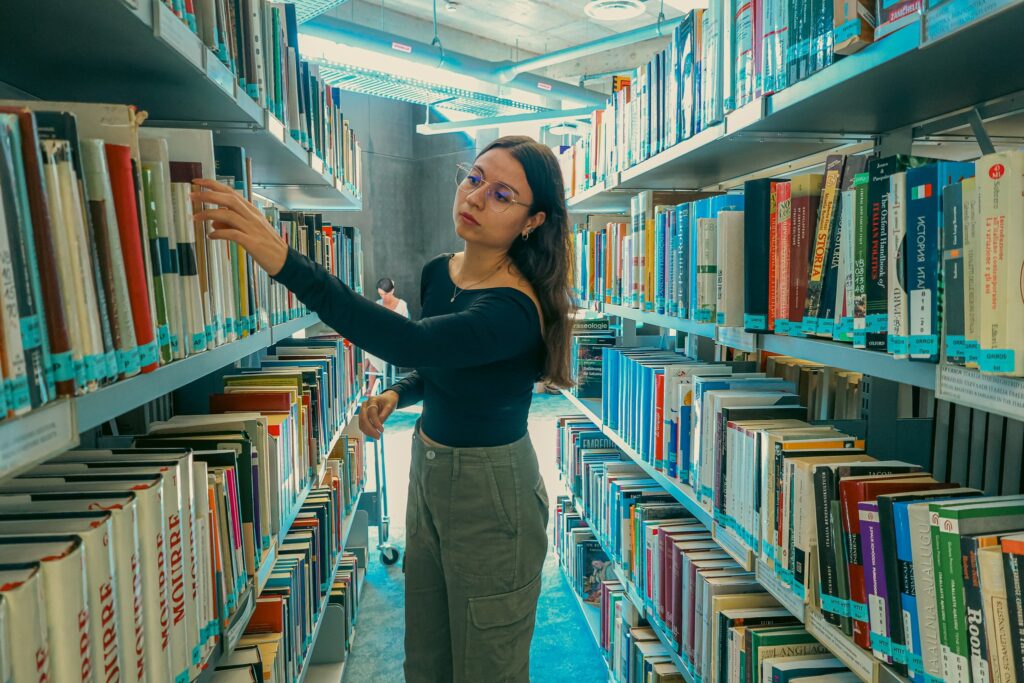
column 148, row 57
column 600, row 199
column 37, row 436
column 844, row 356
column 683, row 493
column 229, row 638
column 287, row 329
column 848, row 102
column 665, row 321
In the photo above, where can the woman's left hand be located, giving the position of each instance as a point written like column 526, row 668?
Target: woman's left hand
column 238, row 221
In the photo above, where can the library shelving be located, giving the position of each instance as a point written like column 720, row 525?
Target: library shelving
column 861, row 662
column 139, row 52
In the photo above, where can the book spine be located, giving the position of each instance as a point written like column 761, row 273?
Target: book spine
column 832, row 609
column 972, row 272
column 822, row 245
column 995, row 611
column 806, row 191
column 876, row 280
column 773, row 253
column 784, row 262
column 875, row 581
column 1015, row 597
column 952, row 272
column 860, row 260
column 897, row 341
column 923, row 232
column 1000, row 176
column 756, row 255
column 707, row 271
column 974, row 613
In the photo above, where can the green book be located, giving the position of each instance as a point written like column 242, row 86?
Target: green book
column 950, row 521
column 779, row 641
column 861, row 237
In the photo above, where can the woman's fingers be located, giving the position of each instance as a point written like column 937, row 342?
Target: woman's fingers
column 229, row 199
column 212, row 184
column 373, row 414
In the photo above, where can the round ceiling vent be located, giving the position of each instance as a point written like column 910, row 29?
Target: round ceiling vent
column 614, row 10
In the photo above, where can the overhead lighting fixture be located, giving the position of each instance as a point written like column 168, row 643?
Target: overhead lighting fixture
column 614, row 10
column 451, row 6
column 687, row 5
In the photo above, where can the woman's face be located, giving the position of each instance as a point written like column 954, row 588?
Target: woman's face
column 480, row 214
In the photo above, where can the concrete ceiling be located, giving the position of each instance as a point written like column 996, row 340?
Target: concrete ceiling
column 513, row 29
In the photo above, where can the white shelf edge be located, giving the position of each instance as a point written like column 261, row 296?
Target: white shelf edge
column 37, row 436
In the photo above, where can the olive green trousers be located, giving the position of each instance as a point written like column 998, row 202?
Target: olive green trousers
column 476, row 536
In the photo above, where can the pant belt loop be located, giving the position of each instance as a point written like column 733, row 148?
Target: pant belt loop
column 456, row 462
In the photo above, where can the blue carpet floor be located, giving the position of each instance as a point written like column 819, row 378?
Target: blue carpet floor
column 563, row 648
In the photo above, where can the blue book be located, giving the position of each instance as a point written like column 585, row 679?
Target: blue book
column 682, row 254
column 659, row 262
column 923, row 262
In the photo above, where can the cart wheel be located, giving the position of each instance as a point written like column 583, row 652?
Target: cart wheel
column 389, row 555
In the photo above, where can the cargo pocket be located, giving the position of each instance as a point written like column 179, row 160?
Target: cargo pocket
column 498, row 633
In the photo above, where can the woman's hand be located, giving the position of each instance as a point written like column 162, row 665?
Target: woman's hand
column 374, row 411
column 238, row 221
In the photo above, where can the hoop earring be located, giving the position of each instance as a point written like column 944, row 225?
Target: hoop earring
column 526, row 236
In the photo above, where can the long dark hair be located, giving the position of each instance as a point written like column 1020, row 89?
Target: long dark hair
column 545, row 259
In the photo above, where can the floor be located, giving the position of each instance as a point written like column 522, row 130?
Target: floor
column 563, row 648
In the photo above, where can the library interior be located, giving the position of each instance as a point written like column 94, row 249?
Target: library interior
column 682, row 329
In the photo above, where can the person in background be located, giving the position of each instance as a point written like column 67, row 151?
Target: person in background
column 389, row 300
column 495, row 319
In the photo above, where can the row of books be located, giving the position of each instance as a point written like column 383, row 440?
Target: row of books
column 258, row 40
column 671, row 577
column 197, row 506
column 901, row 255
column 718, row 60
column 106, row 273
column 856, row 555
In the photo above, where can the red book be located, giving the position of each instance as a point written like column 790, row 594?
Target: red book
column 46, row 253
column 782, row 249
column 659, row 421
column 805, row 198
column 268, row 617
column 122, row 185
column 854, row 490
column 773, row 242
column 262, row 402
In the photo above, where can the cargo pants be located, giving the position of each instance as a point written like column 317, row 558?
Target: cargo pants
column 476, row 536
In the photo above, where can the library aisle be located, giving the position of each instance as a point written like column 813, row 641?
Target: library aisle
column 561, row 628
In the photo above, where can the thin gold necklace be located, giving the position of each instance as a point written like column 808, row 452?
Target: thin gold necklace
column 458, row 291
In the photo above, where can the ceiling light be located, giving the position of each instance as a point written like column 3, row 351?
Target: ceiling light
column 614, row 10
column 451, row 6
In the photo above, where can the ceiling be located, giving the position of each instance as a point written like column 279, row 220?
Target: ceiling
column 537, row 26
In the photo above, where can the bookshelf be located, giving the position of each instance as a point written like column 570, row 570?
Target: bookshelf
column 859, row 661
column 139, row 52
column 848, row 103
column 37, row 436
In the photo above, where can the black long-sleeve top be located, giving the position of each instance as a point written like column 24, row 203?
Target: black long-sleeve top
column 476, row 358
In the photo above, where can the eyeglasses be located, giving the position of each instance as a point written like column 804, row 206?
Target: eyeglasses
column 499, row 196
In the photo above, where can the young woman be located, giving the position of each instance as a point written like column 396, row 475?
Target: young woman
column 389, row 299
column 495, row 320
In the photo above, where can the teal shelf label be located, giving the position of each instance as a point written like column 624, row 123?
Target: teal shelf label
column 786, row 577
column 972, row 350
column 845, row 327
column 897, row 344
column 182, row 677
column 915, row 663
column 796, row 329
column 110, row 364
column 174, row 344
column 881, row 644
column 63, row 366
column 799, row 590
column 899, row 653
column 847, row 30
column 924, row 344
column 31, row 336
column 781, row 326
column 757, row 322
column 163, row 336
column 199, row 341
column 809, row 326
column 18, row 395
column 860, row 337
column 197, row 655
column 702, row 315
column 149, row 354
column 95, row 367
column 996, row 360
column 877, row 323
column 720, row 318
column 956, row 346
column 826, row 327
column 859, row 611
column 253, row 323
column 830, row 603
column 128, row 361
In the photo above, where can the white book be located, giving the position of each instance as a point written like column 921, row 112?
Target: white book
column 195, row 310
column 124, row 542
column 899, row 320
column 74, row 262
column 24, row 613
column 61, row 560
column 973, row 286
column 178, row 529
column 706, row 257
column 1000, row 182
column 996, row 610
column 924, row 582
column 148, row 492
column 95, row 531
column 729, row 303
column 204, row 562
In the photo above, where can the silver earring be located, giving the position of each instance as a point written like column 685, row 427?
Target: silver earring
column 526, row 236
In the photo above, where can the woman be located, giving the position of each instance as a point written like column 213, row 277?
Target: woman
column 389, row 300
column 495, row 319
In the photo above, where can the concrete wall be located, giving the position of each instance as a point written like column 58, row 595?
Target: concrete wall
column 408, row 188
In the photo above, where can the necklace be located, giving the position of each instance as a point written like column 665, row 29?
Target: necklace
column 459, row 290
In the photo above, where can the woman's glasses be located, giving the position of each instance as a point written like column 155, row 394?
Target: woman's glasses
column 499, row 196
